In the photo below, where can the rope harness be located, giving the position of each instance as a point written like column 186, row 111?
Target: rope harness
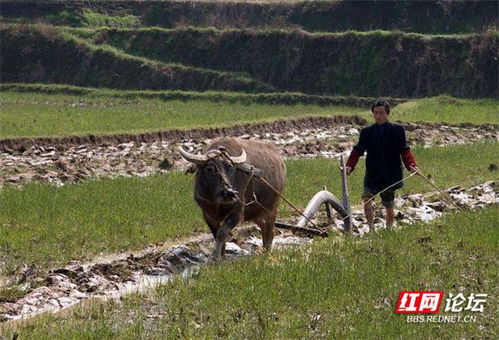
column 252, row 175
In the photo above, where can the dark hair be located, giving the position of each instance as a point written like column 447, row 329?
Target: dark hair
column 383, row 103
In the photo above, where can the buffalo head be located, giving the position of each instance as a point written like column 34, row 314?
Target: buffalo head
column 217, row 178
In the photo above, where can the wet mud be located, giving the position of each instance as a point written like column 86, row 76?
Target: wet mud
column 61, row 161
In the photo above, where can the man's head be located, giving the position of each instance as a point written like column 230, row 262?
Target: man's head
column 380, row 110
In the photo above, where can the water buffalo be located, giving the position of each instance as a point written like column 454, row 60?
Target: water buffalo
column 229, row 194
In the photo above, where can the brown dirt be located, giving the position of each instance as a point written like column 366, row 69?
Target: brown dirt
column 176, row 135
column 22, row 144
column 59, row 161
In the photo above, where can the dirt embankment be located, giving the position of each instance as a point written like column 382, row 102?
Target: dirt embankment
column 45, row 55
column 372, row 65
column 22, row 144
column 351, row 63
column 61, row 161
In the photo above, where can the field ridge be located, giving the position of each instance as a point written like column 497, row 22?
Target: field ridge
column 415, row 16
column 44, row 54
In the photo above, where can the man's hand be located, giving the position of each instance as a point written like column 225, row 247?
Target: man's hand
column 415, row 169
column 348, row 170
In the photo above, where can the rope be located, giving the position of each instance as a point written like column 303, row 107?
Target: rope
column 447, row 197
column 379, row 193
column 417, row 172
column 286, row 200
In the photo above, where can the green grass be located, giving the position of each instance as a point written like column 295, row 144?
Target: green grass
column 30, row 115
column 449, row 109
column 90, row 32
column 94, row 217
column 91, row 19
column 330, row 289
column 288, row 98
column 105, row 216
column 89, row 111
column 105, row 66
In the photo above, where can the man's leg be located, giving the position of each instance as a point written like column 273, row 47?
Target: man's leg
column 369, row 212
column 388, row 201
column 390, row 215
column 367, row 194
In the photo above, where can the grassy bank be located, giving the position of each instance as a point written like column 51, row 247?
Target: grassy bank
column 33, row 115
column 449, row 109
column 43, row 53
column 392, row 62
column 288, row 98
column 105, row 216
column 29, row 112
column 410, row 16
column 328, row 289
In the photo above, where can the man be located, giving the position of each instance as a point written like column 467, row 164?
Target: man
column 386, row 144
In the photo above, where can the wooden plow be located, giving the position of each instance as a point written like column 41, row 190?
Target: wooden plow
column 330, row 202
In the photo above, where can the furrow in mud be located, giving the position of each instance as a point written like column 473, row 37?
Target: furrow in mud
column 312, row 137
column 22, row 144
column 64, row 287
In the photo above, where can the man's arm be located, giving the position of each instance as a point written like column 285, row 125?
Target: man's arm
column 406, row 154
column 358, row 150
column 409, row 160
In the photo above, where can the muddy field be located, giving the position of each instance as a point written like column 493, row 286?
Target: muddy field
column 68, row 160
column 124, row 273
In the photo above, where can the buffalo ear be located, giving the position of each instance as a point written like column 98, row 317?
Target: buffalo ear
column 192, row 168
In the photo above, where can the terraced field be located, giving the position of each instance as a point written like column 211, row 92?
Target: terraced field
column 95, row 201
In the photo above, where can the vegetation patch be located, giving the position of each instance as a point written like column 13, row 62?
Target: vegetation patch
column 89, row 18
column 433, row 16
column 286, row 98
column 43, row 54
column 393, row 63
column 374, row 63
column 49, row 110
column 62, row 115
column 340, row 285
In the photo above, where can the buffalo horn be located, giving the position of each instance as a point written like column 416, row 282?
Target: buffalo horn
column 196, row 159
column 239, row 159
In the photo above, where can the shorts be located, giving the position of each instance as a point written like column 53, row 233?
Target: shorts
column 387, row 197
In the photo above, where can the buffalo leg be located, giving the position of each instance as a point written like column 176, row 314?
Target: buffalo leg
column 268, row 235
column 212, row 224
column 266, row 225
column 222, row 234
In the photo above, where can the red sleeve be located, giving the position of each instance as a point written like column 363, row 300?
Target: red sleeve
column 353, row 159
column 408, row 158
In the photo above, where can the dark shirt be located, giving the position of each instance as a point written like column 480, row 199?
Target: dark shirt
column 381, row 127
column 383, row 144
